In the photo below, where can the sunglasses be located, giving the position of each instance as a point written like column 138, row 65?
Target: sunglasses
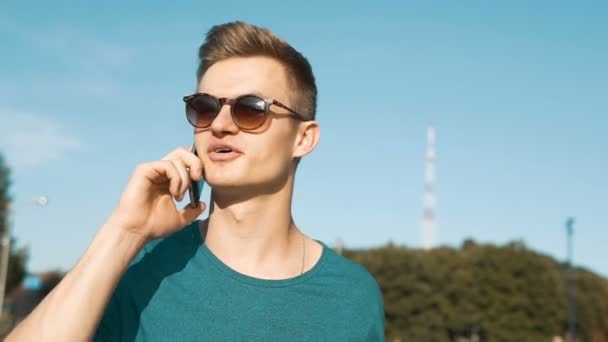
column 248, row 111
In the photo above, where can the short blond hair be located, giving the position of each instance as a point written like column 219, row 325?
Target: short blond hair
column 239, row 39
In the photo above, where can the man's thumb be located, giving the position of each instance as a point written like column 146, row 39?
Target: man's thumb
column 190, row 213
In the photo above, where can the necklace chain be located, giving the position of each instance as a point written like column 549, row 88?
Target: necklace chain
column 303, row 253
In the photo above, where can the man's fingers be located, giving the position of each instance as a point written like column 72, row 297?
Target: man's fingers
column 159, row 172
column 185, row 176
column 188, row 166
column 191, row 161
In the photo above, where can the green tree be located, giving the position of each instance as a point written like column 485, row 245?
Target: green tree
column 5, row 198
column 506, row 293
column 18, row 257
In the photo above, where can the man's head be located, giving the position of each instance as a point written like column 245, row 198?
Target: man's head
column 239, row 39
column 239, row 59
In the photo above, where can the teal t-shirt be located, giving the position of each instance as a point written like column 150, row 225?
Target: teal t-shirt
column 178, row 290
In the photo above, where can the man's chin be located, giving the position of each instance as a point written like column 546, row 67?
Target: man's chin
column 233, row 192
column 225, row 186
column 229, row 185
column 244, row 188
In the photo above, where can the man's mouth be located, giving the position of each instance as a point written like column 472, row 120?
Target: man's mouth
column 222, row 152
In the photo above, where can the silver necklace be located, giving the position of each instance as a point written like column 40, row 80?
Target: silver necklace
column 303, row 253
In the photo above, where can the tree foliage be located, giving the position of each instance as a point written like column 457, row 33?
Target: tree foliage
column 18, row 257
column 5, row 198
column 507, row 293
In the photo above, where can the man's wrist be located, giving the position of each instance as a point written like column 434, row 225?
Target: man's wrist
column 123, row 236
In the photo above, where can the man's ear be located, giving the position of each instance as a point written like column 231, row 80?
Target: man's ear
column 307, row 138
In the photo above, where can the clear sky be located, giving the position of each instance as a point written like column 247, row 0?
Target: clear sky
column 517, row 93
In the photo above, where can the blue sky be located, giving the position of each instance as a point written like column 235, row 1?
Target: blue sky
column 516, row 92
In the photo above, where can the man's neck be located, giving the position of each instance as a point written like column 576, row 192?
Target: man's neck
column 256, row 236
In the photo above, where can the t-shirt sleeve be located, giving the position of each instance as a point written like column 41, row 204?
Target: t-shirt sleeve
column 376, row 331
column 110, row 327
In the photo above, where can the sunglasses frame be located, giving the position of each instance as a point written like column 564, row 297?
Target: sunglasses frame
column 221, row 101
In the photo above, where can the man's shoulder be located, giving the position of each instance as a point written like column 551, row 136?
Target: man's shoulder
column 358, row 289
column 350, row 275
column 178, row 245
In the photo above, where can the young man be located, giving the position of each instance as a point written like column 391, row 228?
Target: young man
column 247, row 272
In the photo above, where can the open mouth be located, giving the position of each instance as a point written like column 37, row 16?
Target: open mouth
column 223, row 152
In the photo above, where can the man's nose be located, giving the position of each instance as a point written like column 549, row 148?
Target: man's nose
column 223, row 122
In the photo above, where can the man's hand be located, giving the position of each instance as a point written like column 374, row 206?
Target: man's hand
column 146, row 211
column 146, row 207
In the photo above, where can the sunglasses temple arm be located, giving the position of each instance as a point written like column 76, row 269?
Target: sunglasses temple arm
column 298, row 115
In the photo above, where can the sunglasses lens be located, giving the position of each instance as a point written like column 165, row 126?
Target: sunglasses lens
column 249, row 112
column 201, row 110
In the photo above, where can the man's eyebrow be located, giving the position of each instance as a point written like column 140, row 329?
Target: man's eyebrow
column 255, row 92
column 234, row 96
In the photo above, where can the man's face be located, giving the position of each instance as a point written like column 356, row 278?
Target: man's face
column 264, row 156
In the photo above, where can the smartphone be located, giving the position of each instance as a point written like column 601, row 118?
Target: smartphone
column 196, row 187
